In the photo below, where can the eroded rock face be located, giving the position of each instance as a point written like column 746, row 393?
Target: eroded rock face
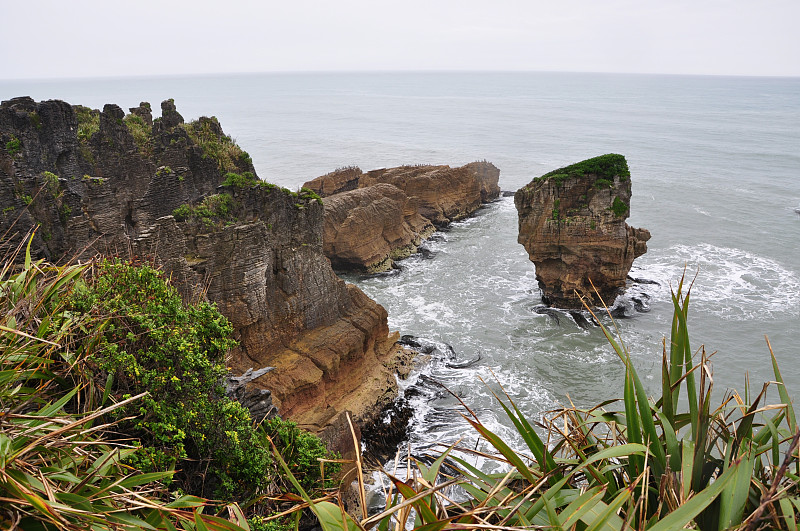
column 103, row 182
column 367, row 229
column 572, row 223
column 368, row 224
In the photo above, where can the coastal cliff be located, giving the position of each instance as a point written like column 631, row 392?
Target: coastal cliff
column 184, row 194
column 572, row 223
column 375, row 218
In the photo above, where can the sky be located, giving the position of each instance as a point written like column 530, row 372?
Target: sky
column 111, row 38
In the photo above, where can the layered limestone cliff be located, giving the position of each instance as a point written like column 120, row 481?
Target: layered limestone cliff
column 369, row 228
column 572, row 223
column 186, row 195
column 374, row 218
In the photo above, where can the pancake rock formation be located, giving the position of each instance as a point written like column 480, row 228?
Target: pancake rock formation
column 572, row 223
column 375, row 218
column 185, row 194
column 369, row 228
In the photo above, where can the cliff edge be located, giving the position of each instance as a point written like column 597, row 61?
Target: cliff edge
column 572, row 223
column 107, row 182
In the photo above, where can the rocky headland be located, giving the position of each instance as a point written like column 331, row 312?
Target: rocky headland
column 377, row 217
column 572, row 224
column 186, row 196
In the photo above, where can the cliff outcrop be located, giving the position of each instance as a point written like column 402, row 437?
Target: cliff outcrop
column 374, row 218
column 369, row 228
column 184, row 193
column 572, row 223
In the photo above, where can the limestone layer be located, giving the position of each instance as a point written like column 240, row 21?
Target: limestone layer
column 375, row 218
column 572, row 224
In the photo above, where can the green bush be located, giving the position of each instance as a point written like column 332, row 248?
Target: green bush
column 60, row 467
column 219, row 147
column 213, row 208
column 155, row 343
column 13, row 146
column 142, row 134
column 604, row 167
column 618, row 207
column 88, row 122
column 302, row 451
column 245, row 180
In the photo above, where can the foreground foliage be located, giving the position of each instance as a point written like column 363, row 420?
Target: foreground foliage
column 61, row 465
column 108, row 383
column 640, row 463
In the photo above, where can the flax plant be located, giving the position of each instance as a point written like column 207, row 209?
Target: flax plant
column 639, row 462
column 61, row 465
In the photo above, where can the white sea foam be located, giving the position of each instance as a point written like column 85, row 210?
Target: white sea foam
column 731, row 283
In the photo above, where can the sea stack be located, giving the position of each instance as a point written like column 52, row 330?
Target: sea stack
column 572, row 223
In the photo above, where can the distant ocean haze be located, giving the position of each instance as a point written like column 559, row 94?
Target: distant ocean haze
column 715, row 169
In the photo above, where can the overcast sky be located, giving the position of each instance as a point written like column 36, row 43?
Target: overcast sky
column 90, row 38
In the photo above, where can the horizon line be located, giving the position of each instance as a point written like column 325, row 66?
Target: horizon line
column 378, row 72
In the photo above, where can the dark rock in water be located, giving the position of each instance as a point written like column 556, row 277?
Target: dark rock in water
column 643, row 280
column 382, row 436
column 545, row 310
column 463, row 364
column 641, row 303
column 426, row 346
column 425, row 252
column 507, row 193
column 581, row 319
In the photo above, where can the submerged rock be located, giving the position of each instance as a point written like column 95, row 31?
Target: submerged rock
column 572, row 223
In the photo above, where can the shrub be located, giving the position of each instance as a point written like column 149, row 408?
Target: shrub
column 142, row 134
column 618, row 207
column 245, row 180
column 154, row 343
column 88, row 122
column 604, row 167
column 36, row 120
column 61, row 468
column 206, row 133
column 302, row 451
column 13, row 146
column 214, row 208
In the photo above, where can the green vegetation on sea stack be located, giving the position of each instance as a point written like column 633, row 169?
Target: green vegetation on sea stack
column 604, row 167
column 206, row 133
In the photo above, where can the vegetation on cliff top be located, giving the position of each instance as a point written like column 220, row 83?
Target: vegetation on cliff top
column 604, row 167
column 206, row 133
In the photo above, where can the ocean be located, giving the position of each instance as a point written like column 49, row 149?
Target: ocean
column 715, row 169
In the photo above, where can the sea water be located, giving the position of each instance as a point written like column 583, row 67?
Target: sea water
column 715, row 169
